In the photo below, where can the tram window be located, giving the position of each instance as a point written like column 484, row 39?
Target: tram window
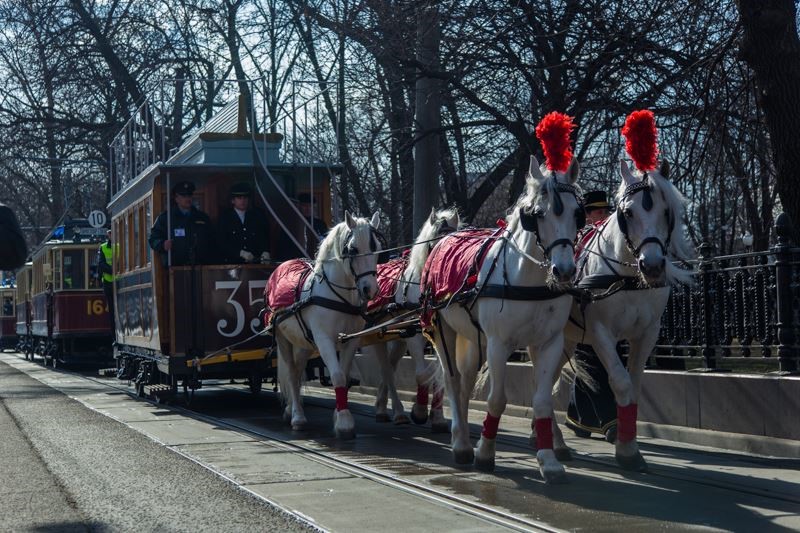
column 136, row 244
column 73, row 272
column 148, row 223
column 94, row 273
column 57, row 270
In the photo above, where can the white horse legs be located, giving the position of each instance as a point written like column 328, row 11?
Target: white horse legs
column 497, row 357
column 546, row 366
column 343, row 422
column 290, row 383
column 451, row 352
column 388, row 356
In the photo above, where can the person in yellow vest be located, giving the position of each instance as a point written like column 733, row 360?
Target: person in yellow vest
column 105, row 264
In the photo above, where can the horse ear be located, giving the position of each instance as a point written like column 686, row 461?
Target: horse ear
column 454, row 220
column 348, row 218
column 534, row 171
column 573, row 171
column 664, row 169
column 626, row 174
column 376, row 219
column 432, row 217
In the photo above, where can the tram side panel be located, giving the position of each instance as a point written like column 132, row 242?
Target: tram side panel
column 227, row 300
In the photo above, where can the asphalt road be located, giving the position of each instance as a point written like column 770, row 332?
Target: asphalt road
column 67, row 468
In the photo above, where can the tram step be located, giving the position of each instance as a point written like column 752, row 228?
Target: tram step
column 158, row 391
column 108, row 372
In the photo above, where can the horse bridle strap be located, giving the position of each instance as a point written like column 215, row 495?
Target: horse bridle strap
column 647, row 203
column 529, row 222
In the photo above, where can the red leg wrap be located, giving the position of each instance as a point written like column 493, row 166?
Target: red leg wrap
column 341, row 398
column 438, row 398
column 544, row 433
column 490, row 424
column 422, row 395
column 626, row 422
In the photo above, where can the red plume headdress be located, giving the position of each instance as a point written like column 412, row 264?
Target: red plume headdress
column 640, row 139
column 553, row 132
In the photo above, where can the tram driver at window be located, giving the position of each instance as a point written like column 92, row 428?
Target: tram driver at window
column 191, row 240
column 243, row 229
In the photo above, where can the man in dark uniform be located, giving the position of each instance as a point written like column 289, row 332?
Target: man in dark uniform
column 13, row 249
column 106, row 255
column 243, row 230
column 191, row 240
column 592, row 411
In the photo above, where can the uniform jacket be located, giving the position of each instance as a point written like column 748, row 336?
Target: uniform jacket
column 190, row 233
column 235, row 236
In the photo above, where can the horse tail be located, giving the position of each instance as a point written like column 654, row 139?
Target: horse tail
column 573, row 370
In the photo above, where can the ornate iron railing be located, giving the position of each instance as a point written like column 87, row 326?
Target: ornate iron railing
column 743, row 311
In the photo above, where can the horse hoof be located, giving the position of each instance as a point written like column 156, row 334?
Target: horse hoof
column 346, row 434
column 611, row 435
column 382, row 418
column 464, row 457
column 419, row 420
column 299, row 426
column 558, row 477
column 484, row 465
column 563, row 454
column 440, row 427
column 399, row 420
column 632, row 463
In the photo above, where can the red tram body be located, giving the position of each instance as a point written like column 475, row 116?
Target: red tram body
column 65, row 314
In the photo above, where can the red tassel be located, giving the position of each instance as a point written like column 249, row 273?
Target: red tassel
column 438, row 399
column 640, row 139
column 422, row 395
column 544, row 433
column 490, row 425
column 626, row 422
column 341, row 398
column 553, row 132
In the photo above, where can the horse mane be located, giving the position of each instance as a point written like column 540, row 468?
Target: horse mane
column 330, row 249
column 680, row 246
column 531, row 196
column 419, row 252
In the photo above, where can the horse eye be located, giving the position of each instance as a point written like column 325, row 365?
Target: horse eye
column 628, row 213
column 539, row 213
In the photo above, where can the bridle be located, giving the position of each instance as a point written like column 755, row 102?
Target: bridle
column 530, row 221
column 350, row 252
column 647, row 203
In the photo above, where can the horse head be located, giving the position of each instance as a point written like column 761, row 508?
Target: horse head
column 354, row 244
column 552, row 209
column 646, row 219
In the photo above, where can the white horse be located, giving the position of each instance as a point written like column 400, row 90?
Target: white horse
column 520, row 304
column 637, row 246
column 343, row 279
column 407, row 296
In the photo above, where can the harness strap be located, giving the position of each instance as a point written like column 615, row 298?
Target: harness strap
column 516, row 292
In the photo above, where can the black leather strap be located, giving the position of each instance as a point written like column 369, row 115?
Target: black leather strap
column 515, row 292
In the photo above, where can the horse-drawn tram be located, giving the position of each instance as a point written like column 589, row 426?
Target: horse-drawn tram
column 190, row 311
column 61, row 312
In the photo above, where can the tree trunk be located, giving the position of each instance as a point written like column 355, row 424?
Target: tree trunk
column 772, row 48
column 427, row 119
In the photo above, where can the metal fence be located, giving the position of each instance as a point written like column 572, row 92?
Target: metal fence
column 743, row 312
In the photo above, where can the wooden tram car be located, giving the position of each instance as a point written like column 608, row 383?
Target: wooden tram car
column 179, row 325
column 8, row 320
column 65, row 315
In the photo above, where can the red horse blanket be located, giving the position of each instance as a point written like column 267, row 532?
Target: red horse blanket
column 453, row 266
column 388, row 275
column 585, row 236
column 284, row 286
